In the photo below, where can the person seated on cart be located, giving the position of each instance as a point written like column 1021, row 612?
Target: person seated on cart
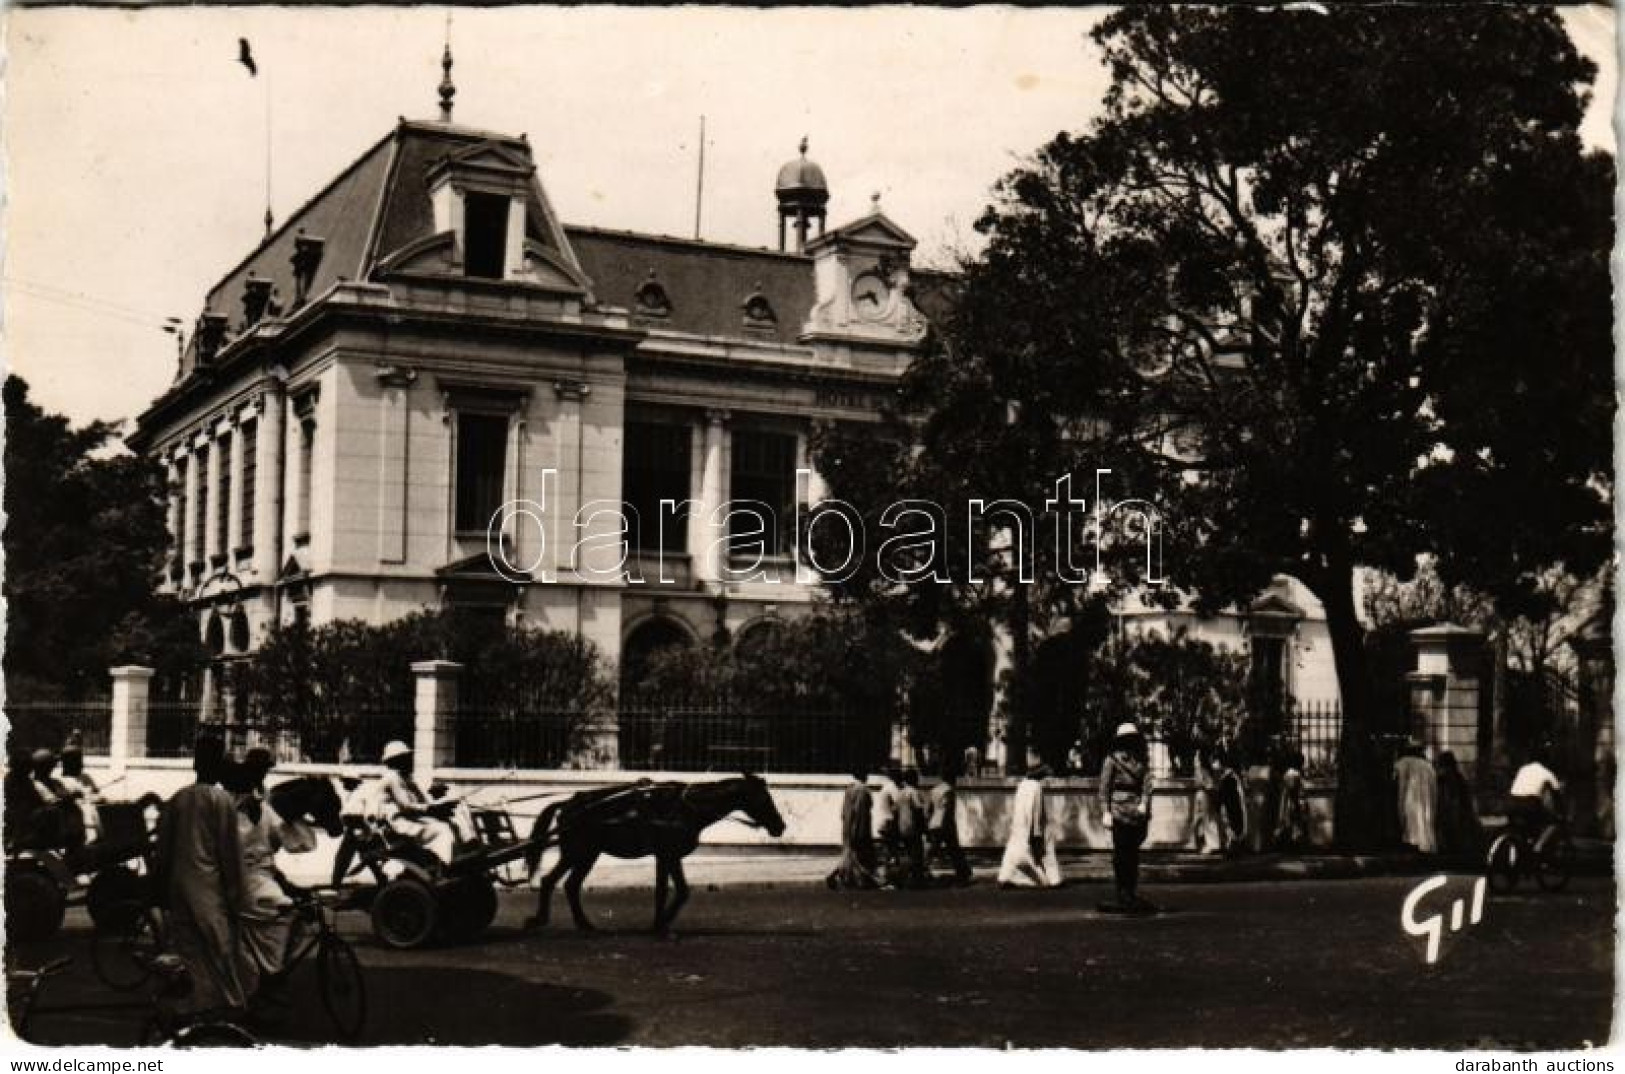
column 409, row 811
column 79, row 785
column 54, row 822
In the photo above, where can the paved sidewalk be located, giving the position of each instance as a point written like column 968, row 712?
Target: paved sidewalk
column 709, row 867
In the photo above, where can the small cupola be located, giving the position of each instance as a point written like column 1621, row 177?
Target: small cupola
column 802, row 195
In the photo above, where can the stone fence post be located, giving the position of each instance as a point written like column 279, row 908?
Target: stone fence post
column 1445, row 691
column 127, row 736
column 434, row 716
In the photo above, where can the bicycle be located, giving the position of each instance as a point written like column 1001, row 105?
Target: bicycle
column 169, row 1026
column 338, row 971
column 1550, row 860
column 125, row 943
column 23, row 989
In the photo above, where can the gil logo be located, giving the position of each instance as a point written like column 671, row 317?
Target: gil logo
column 1433, row 927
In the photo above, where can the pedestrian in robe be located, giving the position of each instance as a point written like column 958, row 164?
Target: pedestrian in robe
column 912, row 816
column 1029, row 854
column 199, row 875
column 856, row 869
column 1459, row 832
column 1292, row 815
column 1231, row 791
column 888, row 804
column 264, row 908
column 1418, row 793
column 1207, row 827
column 1125, row 811
column 943, row 827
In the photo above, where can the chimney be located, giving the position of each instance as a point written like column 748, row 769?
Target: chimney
column 307, row 258
column 256, row 297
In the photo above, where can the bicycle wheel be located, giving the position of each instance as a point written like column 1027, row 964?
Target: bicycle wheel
column 214, row 1035
column 1554, row 864
column 1501, row 864
column 344, row 990
column 123, row 949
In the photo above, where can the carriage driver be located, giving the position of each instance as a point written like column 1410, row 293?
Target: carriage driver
column 409, row 809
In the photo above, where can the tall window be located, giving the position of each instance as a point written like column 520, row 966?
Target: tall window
column 655, row 467
column 307, row 454
column 250, row 482
column 222, row 503
column 764, row 471
column 183, row 538
column 200, row 518
column 482, row 442
column 485, row 233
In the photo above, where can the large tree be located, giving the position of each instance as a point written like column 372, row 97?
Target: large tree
column 1331, row 286
column 85, row 539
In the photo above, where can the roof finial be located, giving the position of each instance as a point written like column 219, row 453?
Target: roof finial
column 874, row 203
column 803, row 145
column 447, row 89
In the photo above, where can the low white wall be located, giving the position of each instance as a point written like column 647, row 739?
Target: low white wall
column 810, row 805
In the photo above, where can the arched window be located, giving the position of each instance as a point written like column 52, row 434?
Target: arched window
column 651, row 299
column 648, row 639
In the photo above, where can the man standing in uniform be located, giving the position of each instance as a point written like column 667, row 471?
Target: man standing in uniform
column 944, row 827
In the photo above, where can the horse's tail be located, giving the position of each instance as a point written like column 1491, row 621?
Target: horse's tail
column 542, row 835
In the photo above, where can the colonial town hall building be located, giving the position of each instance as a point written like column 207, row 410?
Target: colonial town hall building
column 425, row 340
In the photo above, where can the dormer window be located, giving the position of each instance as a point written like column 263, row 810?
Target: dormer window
column 485, row 222
column 759, row 315
column 307, row 258
column 651, row 299
column 256, row 300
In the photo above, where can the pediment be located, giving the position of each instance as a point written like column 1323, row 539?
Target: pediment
column 876, row 229
column 1274, row 605
column 487, row 157
column 481, row 567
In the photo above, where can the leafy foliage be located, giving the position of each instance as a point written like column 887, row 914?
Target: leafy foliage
column 1330, row 287
column 85, row 539
column 348, row 682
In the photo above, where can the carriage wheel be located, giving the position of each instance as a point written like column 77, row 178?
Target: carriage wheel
column 1554, row 862
column 344, row 992
column 127, row 939
column 113, row 891
column 34, row 904
column 469, row 906
column 404, row 913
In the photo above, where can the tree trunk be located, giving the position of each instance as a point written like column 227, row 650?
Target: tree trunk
column 1360, row 788
column 1018, row 696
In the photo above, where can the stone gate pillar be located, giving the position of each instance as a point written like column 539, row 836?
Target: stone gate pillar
column 1445, row 691
column 434, row 724
column 127, row 736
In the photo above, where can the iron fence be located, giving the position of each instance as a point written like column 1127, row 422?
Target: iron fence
column 676, row 738
column 50, row 723
column 172, row 727
column 1315, row 729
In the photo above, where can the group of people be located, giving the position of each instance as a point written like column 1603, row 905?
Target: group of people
column 890, row 834
column 889, row 837
column 227, row 907
column 45, row 810
column 1436, row 810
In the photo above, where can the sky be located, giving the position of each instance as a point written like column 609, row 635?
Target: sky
column 136, row 144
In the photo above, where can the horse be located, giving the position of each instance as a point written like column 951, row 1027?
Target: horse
column 310, row 800
column 635, row 821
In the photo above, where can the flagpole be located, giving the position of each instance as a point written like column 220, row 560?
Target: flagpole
column 268, row 216
column 699, row 183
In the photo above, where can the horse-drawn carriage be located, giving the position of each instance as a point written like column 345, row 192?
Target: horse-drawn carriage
column 415, row 898
column 42, row 882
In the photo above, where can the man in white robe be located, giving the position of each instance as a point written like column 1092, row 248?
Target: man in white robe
column 1029, row 855
column 199, row 872
column 1418, row 791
